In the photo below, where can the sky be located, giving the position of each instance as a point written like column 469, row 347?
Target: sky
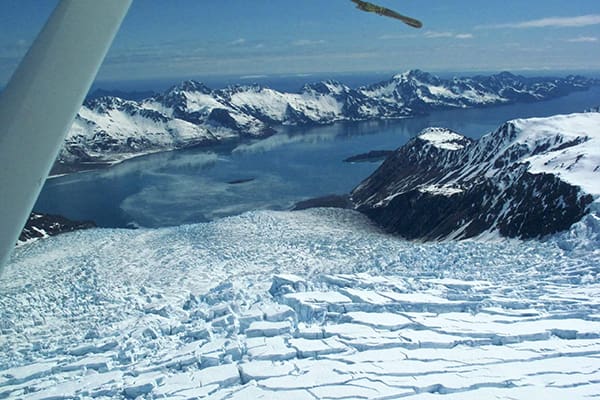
column 189, row 38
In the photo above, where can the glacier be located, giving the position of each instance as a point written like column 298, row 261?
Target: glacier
column 315, row 304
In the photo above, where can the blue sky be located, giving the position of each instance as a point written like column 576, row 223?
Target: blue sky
column 182, row 38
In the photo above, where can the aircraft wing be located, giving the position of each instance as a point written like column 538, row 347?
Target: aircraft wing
column 38, row 105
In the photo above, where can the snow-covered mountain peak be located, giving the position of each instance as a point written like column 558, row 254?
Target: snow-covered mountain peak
column 190, row 86
column 179, row 99
column 505, row 75
column 253, row 88
column 327, row 87
column 443, row 138
column 529, row 178
column 190, row 113
column 570, row 126
column 105, row 103
column 413, row 74
column 564, row 145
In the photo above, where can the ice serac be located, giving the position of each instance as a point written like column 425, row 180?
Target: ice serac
column 222, row 311
column 593, row 109
column 110, row 129
column 530, row 178
column 206, row 311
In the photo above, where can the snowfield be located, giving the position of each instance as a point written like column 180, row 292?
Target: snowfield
column 579, row 161
column 317, row 304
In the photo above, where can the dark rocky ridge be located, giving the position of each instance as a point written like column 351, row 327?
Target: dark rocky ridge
column 371, row 156
column 330, row 201
column 463, row 189
column 44, row 225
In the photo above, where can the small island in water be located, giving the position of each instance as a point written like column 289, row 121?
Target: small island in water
column 371, row 156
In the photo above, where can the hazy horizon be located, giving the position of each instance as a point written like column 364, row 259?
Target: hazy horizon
column 186, row 38
column 216, row 81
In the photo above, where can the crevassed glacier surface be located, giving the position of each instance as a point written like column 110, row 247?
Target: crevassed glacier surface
column 316, row 304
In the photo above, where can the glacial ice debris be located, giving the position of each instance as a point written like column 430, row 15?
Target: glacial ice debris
column 376, row 317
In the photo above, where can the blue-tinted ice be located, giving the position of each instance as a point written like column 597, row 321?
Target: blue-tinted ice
column 313, row 304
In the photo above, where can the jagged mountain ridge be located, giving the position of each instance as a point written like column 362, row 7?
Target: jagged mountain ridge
column 109, row 129
column 39, row 226
column 530, row 178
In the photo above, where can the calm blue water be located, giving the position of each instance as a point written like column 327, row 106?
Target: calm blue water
column 192, row 185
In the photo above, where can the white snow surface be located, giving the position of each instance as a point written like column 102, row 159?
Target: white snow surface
column 567, row 146
column 317, row 304
column 437, row 93
column 578, row 165
column 131, row 133
column 443, row 190
column 274, row 104
column 442, row 138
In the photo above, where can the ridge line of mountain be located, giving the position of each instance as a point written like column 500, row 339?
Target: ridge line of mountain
column 109, row 129
column 528, row 179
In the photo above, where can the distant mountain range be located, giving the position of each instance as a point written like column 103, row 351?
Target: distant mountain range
column 109, row 129
column 529, row 178
column 126, row 95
